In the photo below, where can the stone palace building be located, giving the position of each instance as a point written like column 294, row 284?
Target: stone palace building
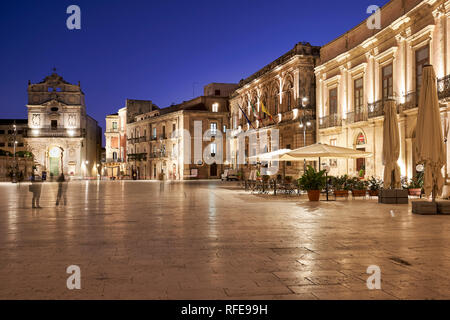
column 363, row 68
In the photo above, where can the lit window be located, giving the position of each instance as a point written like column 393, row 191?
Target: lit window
column 213, row 149
column 215, row 107
column 213, row 128
column 114, row 125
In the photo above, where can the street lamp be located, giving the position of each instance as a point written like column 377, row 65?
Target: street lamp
column 304, row 124
column 14, row 180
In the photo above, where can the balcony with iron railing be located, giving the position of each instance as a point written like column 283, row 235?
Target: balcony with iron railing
column 333, row 120
column 160, row 155
column 357, row 116
column 443, row 87
column 111, row 160
column 375, row 109
column 137, row 156
column 54, row 132
column 410, row 101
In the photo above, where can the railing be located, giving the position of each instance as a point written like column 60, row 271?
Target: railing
column 357, row 116
column 162, row 137
column 111, row 160
column 411, row 101
column 137, row 156
column 159, row 155
column 443, row 86
column 375, row 109
column 54, row 132
column 142, row 139
column 153, row 138
column 330, row 121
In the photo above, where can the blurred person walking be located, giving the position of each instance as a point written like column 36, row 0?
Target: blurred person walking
column 62, row 190
column 35, row 188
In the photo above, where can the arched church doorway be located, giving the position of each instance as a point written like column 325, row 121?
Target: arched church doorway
column 55, row 161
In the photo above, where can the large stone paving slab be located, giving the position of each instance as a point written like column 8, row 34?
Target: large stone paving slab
column 209, row 240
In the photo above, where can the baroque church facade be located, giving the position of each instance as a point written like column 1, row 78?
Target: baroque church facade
column 60, row 134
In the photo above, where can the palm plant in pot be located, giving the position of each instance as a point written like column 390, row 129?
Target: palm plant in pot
column 375, row 186
column 415, row 185
column 359, row 187
column 313, row 182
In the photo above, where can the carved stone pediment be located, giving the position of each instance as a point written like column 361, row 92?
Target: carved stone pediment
column 54, row 103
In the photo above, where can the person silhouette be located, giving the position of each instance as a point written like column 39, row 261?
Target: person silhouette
column 62, row 190
column 35, row 188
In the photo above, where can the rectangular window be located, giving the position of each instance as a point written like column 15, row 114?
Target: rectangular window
column 174, row 127
column 333, row 101
column 217, row 92
column 114, row 125
column 214, row 128
column 224, row 129
column 358, row 95
column 154, row 132
column 213, row 149
column 215, row 107
column 422, row 58
column 54, row 124
column 2, row 131
column 387, row 82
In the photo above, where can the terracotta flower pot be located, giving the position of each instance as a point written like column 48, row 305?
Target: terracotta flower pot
column 341, row 193
column 415, row 192
column 373, row 193
column 359, row 193
column 314, row 195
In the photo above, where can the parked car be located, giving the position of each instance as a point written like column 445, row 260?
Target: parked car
column 229, row 175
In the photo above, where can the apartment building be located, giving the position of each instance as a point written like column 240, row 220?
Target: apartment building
column 158, row 140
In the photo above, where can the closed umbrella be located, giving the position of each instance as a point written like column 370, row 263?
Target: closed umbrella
column 391, row 146
column 429, row 138
column 320, row 150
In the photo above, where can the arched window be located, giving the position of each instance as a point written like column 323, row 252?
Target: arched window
column 360, row 139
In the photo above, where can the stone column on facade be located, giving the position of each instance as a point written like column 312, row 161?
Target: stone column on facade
column 402, row 157
column 401, row 67
column 438, row 39
column 296, row 73
column 342, row 99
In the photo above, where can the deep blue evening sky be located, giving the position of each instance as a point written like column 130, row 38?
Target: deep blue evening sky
column 156, row 50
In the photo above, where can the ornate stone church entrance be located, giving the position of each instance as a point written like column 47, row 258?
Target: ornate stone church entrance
column 54, row 161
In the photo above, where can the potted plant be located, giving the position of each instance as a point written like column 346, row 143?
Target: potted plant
column 313, row 182
column 415, row 185
column 359, row 187
column 362, row 172
column 340, row 185
column 375, row 186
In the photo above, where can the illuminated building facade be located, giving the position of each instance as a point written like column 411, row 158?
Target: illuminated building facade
column 363, row 68
column 61, row 136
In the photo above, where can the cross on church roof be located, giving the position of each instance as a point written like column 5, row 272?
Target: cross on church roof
column 54, row 69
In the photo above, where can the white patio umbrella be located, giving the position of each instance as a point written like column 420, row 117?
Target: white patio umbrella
column 391, row 146
column 429, row 138
column 320, row 150
column 270, row 156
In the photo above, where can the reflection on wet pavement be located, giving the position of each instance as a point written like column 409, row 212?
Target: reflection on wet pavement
column 201, row 240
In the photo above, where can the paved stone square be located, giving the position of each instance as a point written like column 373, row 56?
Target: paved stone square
column 210, row 240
